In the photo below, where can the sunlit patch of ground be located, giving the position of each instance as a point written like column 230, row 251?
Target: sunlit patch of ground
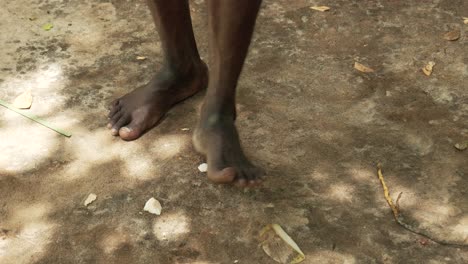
column 171, row 226
column 31, row 231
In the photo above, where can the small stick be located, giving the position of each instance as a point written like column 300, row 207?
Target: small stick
column 399, row 219
column 34, row 118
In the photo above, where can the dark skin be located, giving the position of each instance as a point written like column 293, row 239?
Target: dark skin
column 231, row 24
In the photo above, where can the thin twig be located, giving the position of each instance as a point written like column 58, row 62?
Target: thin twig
column 399, row 218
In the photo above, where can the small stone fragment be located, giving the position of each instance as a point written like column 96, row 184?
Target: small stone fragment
column 428, row 68
column 203, row 167
column 23, row 101
column 153, row 206
column 91, row 198
column 358, row 66
column 465, row 20
column 185, row 129
column 141, row 58
column 461, row 146
column 452, row 35
column 320, row 8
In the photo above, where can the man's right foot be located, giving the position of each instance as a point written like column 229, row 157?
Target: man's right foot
column 141, row 109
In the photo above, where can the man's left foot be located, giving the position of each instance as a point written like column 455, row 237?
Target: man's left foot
column 218, row 140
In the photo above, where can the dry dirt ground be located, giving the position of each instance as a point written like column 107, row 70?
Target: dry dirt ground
column 316, row 125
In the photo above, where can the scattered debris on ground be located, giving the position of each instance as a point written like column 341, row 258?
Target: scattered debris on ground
column 203, row 167
column 400, row 220
column 461, row 146
column 320, row 8
column 279, row 245
column 47, row 26
column 91, row 198
column 34, row 118
column 362, row 68
column 153, row 206
column 452, row 35
column 23, row 101
column 428, row 68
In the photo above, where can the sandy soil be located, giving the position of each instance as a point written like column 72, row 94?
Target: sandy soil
column 313, row 122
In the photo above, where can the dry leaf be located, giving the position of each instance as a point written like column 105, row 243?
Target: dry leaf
column 23, row 101
column 320, row 8
column 47, row 27
column 153, row 206
column 279, row 245
column 203, row 167
column 141, row 58
column 91, row 198
column 452, row 35
column 358, row 66
column 428, row 68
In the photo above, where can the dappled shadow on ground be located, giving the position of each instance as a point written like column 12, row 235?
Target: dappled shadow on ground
column 317, row 126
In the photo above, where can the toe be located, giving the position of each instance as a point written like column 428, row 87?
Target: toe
column 225, row 175
column 113, row 110
column 118, row 124
column 129, row 132
column 116, row 117
column 242, row 182
column 254, row 176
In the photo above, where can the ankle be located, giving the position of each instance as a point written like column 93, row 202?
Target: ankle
column 185, row 71
column 211, row 115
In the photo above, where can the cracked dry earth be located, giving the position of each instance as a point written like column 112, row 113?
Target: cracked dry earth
column 314, row 123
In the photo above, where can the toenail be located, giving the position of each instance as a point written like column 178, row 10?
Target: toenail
column 114, row 131
column 109, row 126
column 126, row 130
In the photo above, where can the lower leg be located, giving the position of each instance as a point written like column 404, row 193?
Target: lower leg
column 231, row 24
column 183, row 74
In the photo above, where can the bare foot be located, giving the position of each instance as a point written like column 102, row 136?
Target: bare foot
column 136, row 112
column 217, row 139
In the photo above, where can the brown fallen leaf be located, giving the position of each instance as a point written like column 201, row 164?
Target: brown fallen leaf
column 23, row 101
column 320, row 8
column 428, row 68
column 358, row 66
column 452, row 35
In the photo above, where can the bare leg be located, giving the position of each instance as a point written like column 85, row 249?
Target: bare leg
column 182, row 75
column 231, row 23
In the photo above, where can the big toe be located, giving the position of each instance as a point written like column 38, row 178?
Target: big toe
column 130, row 132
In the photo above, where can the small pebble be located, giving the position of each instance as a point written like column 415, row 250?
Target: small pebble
column 91, row 198
column 203, row 167
column 153, row 206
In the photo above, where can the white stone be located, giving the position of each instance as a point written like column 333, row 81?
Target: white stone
column 203, row 167
column 153, row 206
column 91, row 198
